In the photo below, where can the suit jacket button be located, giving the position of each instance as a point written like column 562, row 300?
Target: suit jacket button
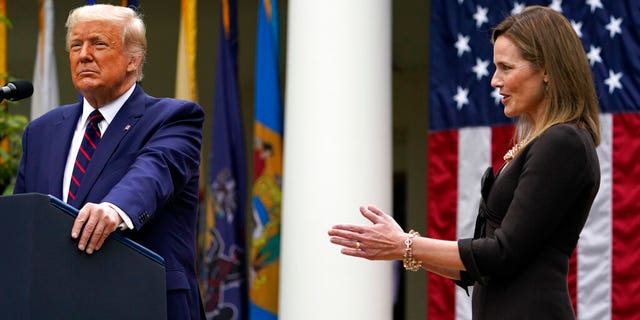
column 143, row 217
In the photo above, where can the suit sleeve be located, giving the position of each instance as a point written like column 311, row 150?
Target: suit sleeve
column 166, row 163
column 20, row 183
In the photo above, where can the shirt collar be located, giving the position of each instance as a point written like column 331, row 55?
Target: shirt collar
column 108, row 111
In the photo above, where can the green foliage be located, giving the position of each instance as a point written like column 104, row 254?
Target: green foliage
column 6, row 21
column 11, row 129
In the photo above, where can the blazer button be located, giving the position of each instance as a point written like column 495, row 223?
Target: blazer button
column 143, row 217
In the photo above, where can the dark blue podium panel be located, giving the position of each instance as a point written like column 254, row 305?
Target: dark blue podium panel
column 44, row 276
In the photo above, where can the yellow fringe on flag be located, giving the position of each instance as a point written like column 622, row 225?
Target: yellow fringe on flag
column 186, row 86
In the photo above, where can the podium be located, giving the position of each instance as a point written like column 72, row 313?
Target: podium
column 43, row 275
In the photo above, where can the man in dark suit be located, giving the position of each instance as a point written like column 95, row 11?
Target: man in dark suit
column 133, row 166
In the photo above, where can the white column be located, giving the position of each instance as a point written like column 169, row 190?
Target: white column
column 337, row 156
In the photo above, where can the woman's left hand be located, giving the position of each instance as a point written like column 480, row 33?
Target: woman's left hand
column 384, row 240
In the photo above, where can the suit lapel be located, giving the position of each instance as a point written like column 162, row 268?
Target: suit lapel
column 63, row 130
column 124, row 120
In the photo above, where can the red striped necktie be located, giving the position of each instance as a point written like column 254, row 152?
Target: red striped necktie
column 89, row 144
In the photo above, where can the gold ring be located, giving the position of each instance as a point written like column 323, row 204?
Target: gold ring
column 357, row 245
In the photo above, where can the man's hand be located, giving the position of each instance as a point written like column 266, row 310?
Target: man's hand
column 98, row 220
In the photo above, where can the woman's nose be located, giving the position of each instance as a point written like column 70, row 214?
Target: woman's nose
column 496, row 81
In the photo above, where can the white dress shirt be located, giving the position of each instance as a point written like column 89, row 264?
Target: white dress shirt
column 109, row 112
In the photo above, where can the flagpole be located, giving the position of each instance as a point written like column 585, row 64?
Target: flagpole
column 3, row 43
column 45, row 76
column 337, row 156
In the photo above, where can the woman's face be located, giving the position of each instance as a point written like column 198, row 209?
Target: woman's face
column 521, row 84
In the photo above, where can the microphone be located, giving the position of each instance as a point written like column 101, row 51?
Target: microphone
column 16, row 90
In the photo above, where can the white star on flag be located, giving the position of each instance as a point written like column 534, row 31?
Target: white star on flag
column 614, row 26
column 481, row 68
column 481, row 16
column 461, row 98
column 462, row 44
column 613, row 81
column 497, row 97
column 594, row 4
column 594, row 55
column 517, row 8
column 556, row 5
column 577, row 27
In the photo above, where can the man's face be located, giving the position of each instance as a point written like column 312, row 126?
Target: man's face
column 100, row 67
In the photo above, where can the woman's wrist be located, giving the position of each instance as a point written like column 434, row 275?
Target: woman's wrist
column 408, row 260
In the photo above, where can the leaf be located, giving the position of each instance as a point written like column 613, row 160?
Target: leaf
column 6, row 21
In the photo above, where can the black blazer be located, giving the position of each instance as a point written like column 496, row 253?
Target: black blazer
column 536, row 209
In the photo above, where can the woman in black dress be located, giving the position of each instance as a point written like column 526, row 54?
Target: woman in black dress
column 533, row 210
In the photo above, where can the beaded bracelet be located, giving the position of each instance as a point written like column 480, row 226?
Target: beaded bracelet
column 407, row 258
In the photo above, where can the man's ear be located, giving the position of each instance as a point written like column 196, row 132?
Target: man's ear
column 134, row 63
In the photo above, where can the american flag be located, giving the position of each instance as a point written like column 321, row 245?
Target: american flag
column 469, row 132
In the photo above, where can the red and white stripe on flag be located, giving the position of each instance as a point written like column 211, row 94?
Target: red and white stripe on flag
column 604, row 280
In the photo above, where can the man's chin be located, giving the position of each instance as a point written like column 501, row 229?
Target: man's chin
column 86, row 84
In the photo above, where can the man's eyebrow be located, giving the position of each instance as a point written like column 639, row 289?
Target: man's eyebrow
column 90, row 36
